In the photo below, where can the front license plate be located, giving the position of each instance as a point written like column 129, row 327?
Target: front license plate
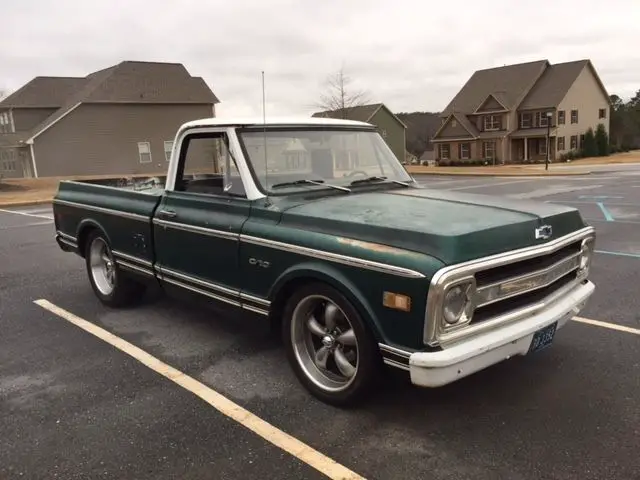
column 543, row 338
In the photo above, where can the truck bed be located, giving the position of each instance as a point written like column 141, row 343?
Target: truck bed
column 123, row 208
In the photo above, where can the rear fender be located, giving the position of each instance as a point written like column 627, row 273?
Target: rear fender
column 83, row 228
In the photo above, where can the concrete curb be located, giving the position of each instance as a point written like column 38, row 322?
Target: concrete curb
column 496, row 174
column 25, row 204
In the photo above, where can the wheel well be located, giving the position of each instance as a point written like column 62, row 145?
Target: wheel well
column 83, row 236
column 284, row 293
column 280, row 300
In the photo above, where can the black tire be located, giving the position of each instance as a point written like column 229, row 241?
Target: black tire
column 125, row 290
column 369, row 360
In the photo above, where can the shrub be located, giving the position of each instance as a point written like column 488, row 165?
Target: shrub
column 589, row 145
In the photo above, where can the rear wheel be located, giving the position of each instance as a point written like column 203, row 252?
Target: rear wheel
column 113, row 287
column 330, row 348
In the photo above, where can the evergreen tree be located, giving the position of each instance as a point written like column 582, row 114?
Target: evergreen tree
column 601, row 141
column 589, row 145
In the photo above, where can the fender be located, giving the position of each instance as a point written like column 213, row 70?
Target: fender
column 83, row 226
column 328, row 274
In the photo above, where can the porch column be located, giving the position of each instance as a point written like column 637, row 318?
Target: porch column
column 526, row 149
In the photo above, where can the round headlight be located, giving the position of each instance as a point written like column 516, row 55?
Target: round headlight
column 458, row 304
column 585, row 255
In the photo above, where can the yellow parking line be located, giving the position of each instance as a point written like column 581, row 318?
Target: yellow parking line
column 277, row 437
column 611, row 326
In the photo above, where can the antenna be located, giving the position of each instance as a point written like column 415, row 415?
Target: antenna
column 264, row 130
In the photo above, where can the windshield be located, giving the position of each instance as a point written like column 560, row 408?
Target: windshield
column 300, row 159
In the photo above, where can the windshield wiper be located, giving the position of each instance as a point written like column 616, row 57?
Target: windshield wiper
column 306, row 181
column 377, row 178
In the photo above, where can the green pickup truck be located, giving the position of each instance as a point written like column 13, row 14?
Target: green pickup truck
column 314, row 225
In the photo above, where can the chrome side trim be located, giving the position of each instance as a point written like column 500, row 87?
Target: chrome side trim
column 257, row 300
column 68, row 242
column 195, row 229
column 136, row 268
column 109, row 211
column 131, row 258
column 200, row 291
column 527, row 283
column 452, row 273
column 198, row 281
column 67, row 236
column 395, row 364
column 255, row 310
column 394, row 350
column 164, row 272
column 333, row 257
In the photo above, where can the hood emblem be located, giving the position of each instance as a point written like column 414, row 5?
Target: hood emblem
column 544, row 232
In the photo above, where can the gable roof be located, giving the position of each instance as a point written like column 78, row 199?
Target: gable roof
column 509, row 84
column 464, row 122
column 126, row 82
column 497, row 96
column 360, row 113
column 554, row 84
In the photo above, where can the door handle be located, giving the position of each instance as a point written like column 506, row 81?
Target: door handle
column 167, row 213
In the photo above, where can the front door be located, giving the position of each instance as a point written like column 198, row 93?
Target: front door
column 197, row 226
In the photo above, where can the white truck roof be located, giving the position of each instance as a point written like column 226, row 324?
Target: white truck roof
column 273, row 121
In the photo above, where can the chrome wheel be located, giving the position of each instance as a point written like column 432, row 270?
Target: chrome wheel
column 324, row 343
column 102, row 266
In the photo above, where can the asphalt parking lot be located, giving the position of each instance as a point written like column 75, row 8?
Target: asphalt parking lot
column 73, row 406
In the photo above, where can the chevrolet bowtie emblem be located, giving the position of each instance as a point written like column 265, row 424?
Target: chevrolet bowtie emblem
column 544, row 232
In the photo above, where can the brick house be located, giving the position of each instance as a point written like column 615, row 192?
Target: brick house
column 120, row 120
column 505, row 114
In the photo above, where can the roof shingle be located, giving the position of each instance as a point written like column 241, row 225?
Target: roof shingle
column 44, row 92
column 508, row 84
column 553, row 85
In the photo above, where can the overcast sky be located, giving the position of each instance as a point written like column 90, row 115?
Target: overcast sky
column 411, row 55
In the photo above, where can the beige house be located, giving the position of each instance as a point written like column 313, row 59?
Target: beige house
column 508, row 114
column 120, row 120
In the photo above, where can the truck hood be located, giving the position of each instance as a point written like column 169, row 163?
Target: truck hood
column 450, row 226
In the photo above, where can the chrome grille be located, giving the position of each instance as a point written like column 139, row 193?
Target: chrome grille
column 507, row 287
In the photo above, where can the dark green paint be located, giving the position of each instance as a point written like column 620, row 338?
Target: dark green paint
column 414, row 228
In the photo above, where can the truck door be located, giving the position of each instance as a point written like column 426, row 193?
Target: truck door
column 198, row 223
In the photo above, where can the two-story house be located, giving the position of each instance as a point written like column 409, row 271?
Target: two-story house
column 117, row 121
column 515, row 112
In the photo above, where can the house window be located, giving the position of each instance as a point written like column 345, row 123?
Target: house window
column 465, row 151
column 574, row 116
column 144, row 152
column 560, row 143
column 525, row 120
column 454, row 123
column 445, row 151
column 168, row 146
column 561, row 117
column 541, row 119
column 492, row 122
column 542, row 146
column 488, row 150
column 581, row 139
column 574, row 142
column 5, row 126
column 602, row 113
column 8, row 158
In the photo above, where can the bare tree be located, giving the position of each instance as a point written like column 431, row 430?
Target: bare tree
column 3, row 94
column 340, row 96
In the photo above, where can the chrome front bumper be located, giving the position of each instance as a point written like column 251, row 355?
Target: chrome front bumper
column 434, row 369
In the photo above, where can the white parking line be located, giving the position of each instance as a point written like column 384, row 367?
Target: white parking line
column 286, row 442
column 611, row 326
column 26, row 214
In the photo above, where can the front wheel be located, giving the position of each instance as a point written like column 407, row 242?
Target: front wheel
column 330, row 348
column 111, row 286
